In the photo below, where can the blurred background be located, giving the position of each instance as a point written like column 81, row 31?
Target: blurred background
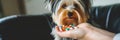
column 35, row 7
column 31, row 7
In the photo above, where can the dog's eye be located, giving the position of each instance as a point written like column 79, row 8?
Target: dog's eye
column 64, row 5
column 76, row 5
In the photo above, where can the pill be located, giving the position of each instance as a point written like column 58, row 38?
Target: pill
column 67, row 29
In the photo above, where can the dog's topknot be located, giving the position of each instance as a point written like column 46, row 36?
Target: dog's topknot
column 52, row 4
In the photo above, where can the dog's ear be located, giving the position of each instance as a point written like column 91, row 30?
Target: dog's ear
column 52, row 4
column 87, row 3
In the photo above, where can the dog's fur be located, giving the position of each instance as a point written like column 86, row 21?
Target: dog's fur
column 66, row 12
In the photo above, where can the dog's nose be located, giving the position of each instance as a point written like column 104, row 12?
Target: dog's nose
column 70, row 14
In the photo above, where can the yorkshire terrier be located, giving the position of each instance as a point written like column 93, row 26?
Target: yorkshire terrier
column 68, row 12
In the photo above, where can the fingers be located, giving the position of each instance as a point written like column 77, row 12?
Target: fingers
column 61, row 33
column 74, row 33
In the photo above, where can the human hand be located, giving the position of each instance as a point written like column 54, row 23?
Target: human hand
column 85, row 31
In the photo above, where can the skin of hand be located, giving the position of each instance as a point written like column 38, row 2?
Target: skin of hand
column 85, row 31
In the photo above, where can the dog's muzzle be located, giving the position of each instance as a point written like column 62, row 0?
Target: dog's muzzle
column 70, row 14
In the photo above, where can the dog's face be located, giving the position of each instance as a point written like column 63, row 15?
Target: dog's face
column 67, row 12
column 70, row 12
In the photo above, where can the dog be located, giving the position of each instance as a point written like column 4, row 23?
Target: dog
column 67, row 12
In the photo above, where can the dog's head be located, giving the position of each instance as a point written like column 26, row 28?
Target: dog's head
column 67, row 12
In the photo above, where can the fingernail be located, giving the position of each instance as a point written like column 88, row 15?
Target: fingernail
column 60, row 27
column 71, row 28
column 57, row 28
column 75, row 27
